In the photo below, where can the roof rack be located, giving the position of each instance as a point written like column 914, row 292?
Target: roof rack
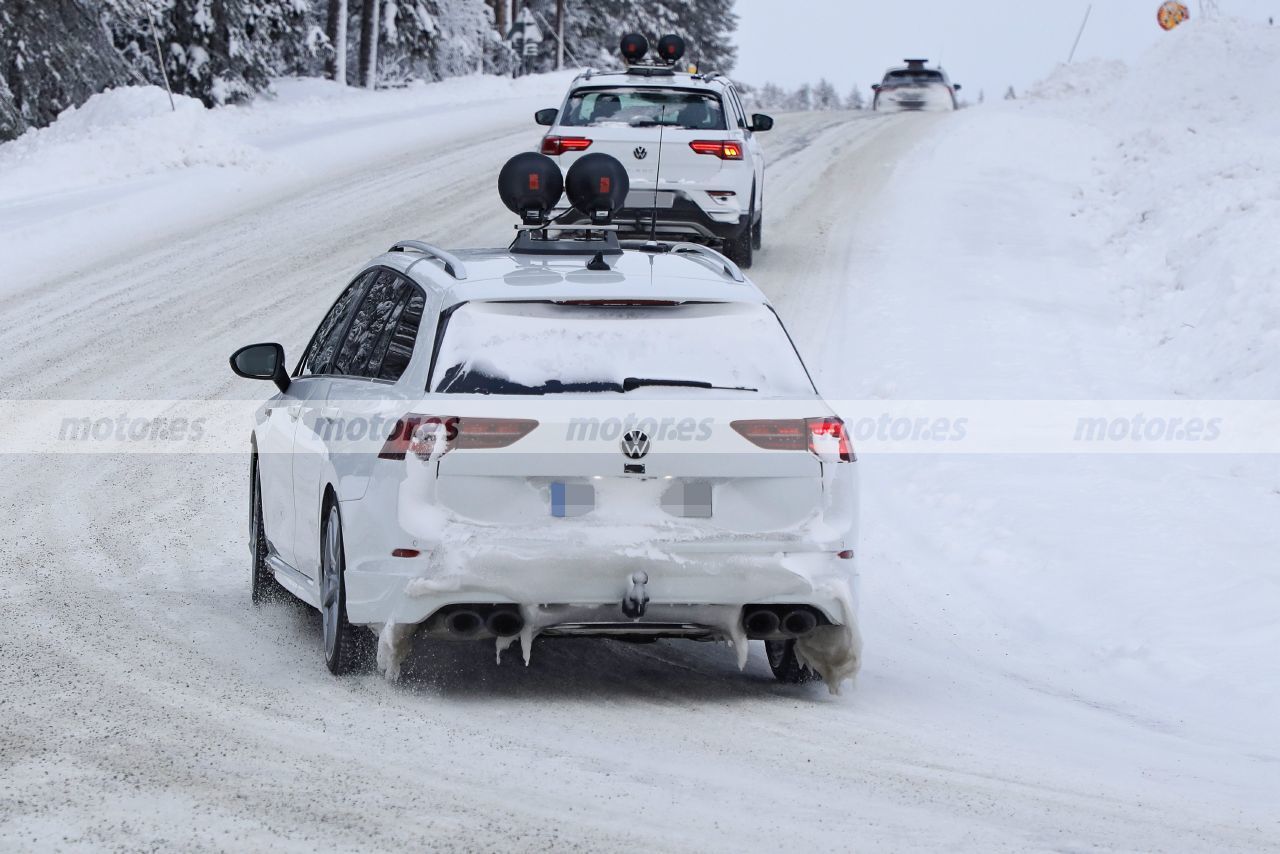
column 596, row 240
column 650, row 71
column 702, row 253
column 452, row 263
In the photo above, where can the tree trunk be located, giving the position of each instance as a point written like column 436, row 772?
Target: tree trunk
column 336, row 29
column 501, row 20
column 369, row 32
column 559, row 34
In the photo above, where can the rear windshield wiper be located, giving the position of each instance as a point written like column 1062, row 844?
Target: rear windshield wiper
column 633, row 383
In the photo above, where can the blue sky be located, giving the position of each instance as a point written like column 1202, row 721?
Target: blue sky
column 984, row 44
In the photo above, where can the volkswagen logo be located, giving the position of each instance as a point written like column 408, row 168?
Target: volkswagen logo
column 640, row 152
column 635, row 445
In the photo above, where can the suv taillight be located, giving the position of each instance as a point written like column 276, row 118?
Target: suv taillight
column 725, row 149
column 825, row 438
column 557, row 145
column 430, row 437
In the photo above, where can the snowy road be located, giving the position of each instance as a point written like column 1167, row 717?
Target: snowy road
column 147, row 705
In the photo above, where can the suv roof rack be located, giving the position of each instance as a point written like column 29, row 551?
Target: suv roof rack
column 452, row 263
column 597, row 240
column 701, row 253
column 651, row 71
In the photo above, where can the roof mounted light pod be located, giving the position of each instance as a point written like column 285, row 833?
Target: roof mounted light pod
column 915, row 64
column 633, row 46
column 670, row 49
column 530, row 185
column 597, row 186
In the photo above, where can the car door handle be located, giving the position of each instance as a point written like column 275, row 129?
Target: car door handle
column 294, row 410
column 332, row 413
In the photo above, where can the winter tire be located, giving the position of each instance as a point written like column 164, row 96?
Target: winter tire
column 785, row 665
column 757, row 228
column 264, row 587
column 740, row 249
column 346, row 647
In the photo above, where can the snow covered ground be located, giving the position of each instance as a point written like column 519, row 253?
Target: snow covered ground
column 1063, row 652
column 125, row 171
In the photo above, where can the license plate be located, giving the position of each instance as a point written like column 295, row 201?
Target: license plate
column 572, row 499
column 690, row 500
column 644, row 199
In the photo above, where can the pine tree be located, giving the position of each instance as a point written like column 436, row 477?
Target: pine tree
column 801, row 99
column 1010, row 95
column 54, row 54
column 772, row 97
column 856, row 101
column 825, row 96
column 593, row 28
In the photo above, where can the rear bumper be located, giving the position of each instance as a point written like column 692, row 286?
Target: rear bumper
column 702, row 582
column 685, row 218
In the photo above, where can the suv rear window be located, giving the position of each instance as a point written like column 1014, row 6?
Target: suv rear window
column 921, row 77
column 547, row 348
column 625, row 106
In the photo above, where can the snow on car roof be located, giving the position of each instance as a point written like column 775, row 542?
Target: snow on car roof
column 634, row 275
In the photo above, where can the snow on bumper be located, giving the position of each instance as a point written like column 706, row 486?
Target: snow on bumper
column 705, row 586
column 538, row 573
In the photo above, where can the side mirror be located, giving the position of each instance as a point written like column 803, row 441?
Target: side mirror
column 875, row 87
column 546, row 117
column 957, row 87
column 261, row 362
column 761, row 122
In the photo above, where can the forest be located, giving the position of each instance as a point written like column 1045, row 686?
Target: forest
column 55, row 54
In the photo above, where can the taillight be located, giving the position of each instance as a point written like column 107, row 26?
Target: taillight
column 486, row 433
column 829, row 441
column 825, row 438
column 725, row 149
column 776, row 435
column 557, row 145
column 430, row 437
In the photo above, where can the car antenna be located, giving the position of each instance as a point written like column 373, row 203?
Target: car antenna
column 653, row 218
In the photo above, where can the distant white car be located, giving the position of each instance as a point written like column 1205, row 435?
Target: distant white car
column 567, row 437
column 691, row 126
column 914, row 87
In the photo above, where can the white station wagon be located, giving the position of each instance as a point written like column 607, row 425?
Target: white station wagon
column 572, row 436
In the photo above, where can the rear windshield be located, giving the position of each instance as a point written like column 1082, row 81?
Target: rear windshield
column 546, row 348
column 913, row 77
column 636, row 107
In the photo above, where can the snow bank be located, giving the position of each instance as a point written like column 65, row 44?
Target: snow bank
column 115, row 136
column 126, row 168
column 1189, row 198
column 1112, row 236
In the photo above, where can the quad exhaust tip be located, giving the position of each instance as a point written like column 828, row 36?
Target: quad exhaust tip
column 469, row 621
column 799, row 622
column 463, row 622
column 761, row 623
column 505, row 622
column 777, row 622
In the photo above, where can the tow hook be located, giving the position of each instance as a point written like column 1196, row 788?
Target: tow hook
column 637, row 598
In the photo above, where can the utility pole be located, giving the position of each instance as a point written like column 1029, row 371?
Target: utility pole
column 1083, row 24
column 559, row 34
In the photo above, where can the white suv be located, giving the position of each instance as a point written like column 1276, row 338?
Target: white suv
column 567, row 437
column 690, row 126
column 913, row 87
